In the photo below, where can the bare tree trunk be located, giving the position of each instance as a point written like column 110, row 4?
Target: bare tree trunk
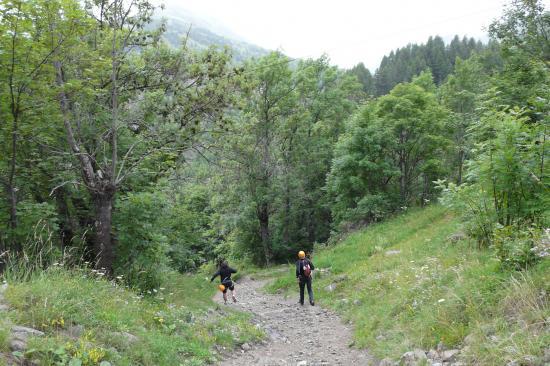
column 263, row 218
column 101, row 189
column 67, row 225
column 460, row 166
column 403, row 170
column 103, row 243
column 310, row 223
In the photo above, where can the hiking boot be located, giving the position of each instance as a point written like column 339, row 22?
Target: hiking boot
column 312, row 303
column 234, row 299
column 301, row 303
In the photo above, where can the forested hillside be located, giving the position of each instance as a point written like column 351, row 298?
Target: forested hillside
column 135, row 159
column 404, row 63
column 180, row 29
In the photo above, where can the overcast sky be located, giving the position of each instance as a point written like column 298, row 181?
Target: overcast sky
column 349, row 31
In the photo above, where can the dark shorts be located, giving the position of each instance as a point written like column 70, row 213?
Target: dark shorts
column 228, row 286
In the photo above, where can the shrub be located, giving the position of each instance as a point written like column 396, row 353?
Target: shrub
column 514, row 247
column 141, row 243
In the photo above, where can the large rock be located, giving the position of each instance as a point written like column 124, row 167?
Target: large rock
column 413, row 358
column 128, row 337
column 387, row 362
column 449, row 355
column 20, row 336
column 23, row 333
column 433, row 355
column 18, row 345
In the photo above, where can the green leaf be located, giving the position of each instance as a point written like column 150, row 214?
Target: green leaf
column 75, row 362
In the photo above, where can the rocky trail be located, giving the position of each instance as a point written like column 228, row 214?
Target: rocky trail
column 296, row 335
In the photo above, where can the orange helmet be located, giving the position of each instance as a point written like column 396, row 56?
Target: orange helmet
column 301, row 254
column 221, row 287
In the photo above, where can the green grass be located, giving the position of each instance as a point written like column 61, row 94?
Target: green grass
column 179, row 326
column 432, row 290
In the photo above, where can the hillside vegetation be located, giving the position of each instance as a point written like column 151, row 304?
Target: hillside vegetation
column 87, row 320
column 415, row 281
column 137, row 160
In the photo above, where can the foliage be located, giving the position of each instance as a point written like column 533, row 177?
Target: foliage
column 435, row 56
column 515, row 248
column 405, row 284
column 141, row 241
column 389, row 154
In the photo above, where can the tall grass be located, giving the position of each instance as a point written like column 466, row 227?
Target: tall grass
column 180, row 325
column 404, row 284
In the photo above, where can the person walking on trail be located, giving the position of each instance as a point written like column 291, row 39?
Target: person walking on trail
column 225, row 276
column 304, row 268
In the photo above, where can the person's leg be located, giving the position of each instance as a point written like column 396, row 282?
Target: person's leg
column 310, row 291
column 233, row 293
column 302, row 285
column 225, row 296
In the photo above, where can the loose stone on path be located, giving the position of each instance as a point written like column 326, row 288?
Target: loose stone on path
column 296, row 335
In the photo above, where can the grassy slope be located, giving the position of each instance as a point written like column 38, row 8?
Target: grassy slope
column 178, row 327
column 431, row 291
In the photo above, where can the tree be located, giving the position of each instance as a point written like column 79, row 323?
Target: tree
column 268, row 101
column 127, row 101
column 364, row 77
column 389, row 154
column 460, row 94
column 412, row 115
column 25, row 65
column 525, row 25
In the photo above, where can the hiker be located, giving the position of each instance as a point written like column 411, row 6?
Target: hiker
column 304, row 267
column 225, row 276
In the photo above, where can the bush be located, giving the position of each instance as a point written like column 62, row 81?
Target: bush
column 141, row 244
column 515, row 248
column 504, row 187
column 477, row 213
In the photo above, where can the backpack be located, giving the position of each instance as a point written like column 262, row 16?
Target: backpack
column 306, row 269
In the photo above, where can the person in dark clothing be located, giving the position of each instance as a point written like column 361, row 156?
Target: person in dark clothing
column 225, row 277
column 304, row 267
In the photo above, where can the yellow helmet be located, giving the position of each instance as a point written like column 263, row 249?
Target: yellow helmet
column 221, row 287
column 301, row 254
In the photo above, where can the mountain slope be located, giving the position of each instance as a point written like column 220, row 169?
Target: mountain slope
column 414, row 281
column 178, row 25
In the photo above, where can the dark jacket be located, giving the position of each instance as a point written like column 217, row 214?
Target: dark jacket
column 224, row 273
column 300, row 265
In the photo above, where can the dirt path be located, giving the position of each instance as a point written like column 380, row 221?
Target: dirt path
column 297, row 335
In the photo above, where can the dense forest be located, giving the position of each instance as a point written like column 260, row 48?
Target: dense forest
column 404, row 63
column 120, row 150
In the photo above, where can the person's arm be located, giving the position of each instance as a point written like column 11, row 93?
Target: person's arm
column 232, row 270
column 215, row 275
column 297, row 269
column 311, row 265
